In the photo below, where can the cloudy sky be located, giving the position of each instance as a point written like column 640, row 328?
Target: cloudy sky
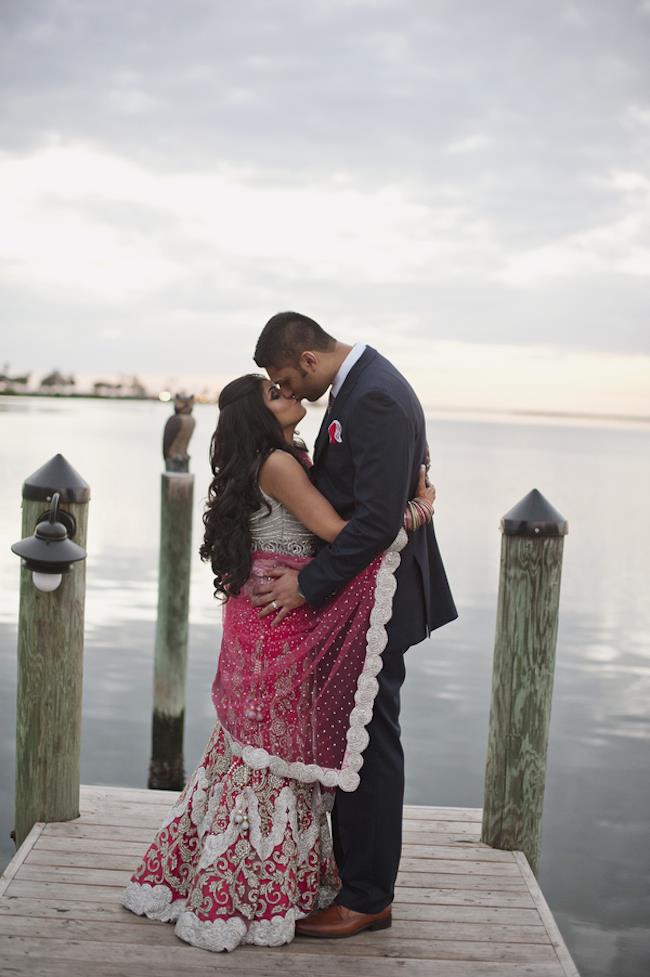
column 464, row 184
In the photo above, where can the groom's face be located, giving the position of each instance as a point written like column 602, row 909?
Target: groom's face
column 304, row 380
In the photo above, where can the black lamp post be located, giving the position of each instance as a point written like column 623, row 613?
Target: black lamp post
column 49, row 553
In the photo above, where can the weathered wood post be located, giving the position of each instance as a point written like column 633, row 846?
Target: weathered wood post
column 522, row 676
column 50, row 662
column 170, row 666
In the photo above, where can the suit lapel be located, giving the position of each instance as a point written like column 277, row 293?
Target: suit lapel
column 364, row 360
column 319, row 443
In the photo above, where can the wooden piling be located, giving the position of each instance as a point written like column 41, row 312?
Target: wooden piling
column 170, row 667
column 522, row 677
column 50, row 664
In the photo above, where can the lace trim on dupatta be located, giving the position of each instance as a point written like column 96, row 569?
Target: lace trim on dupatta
column 347, row 778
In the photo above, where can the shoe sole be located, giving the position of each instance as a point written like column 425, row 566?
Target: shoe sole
column 380, row 924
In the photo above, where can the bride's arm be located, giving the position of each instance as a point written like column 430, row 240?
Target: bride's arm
column 284, row 478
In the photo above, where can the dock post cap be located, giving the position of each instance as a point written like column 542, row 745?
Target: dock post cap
column 534, row 516
column 56, row 475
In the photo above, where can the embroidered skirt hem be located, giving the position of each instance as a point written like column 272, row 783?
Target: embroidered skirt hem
column 241, row 855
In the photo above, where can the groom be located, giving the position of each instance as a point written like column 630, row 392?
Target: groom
column 367, row 458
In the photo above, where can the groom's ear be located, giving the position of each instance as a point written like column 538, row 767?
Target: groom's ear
column 309, row 361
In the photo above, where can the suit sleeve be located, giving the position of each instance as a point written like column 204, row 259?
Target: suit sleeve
column 381, row 440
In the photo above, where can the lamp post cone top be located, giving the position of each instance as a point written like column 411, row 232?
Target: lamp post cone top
column 56, row 475
column 534, row 516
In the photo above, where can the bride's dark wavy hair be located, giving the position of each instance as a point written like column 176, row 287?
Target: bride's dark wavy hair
column 246, row 432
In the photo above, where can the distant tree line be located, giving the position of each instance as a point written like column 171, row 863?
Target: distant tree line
column 57, row 382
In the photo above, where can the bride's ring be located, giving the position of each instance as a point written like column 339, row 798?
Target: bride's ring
column 274, row 605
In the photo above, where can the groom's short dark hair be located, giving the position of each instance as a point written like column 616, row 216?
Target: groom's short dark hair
column 288, row 334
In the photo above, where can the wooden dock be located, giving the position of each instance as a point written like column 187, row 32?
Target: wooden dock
column 462, row 909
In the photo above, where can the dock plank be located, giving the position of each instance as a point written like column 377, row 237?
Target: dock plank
column 114, row 915
column 394, row 945
column 462, row 909
column 279, row 961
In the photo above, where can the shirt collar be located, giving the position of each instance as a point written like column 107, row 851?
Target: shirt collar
column 355, row 353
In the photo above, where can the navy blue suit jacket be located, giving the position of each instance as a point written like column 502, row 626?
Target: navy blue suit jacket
column 368, row 476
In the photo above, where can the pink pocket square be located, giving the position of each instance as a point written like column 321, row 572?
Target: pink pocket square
column 335, row 432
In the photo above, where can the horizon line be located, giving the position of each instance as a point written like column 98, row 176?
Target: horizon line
column 442, row 408
column 540, row 412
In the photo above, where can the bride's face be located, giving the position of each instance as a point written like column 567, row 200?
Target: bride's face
column 288, row 410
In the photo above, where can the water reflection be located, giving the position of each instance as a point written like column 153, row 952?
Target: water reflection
column 595, row 860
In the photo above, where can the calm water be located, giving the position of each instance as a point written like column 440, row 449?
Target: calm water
column 595, row 865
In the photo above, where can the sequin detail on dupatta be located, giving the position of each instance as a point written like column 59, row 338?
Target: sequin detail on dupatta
column 296, row 698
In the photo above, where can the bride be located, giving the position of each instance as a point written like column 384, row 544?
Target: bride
column 246, row 849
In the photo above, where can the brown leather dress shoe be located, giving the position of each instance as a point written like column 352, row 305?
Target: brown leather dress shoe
column 336, row 922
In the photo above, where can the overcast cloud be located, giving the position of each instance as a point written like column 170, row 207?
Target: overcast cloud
column 173, row 173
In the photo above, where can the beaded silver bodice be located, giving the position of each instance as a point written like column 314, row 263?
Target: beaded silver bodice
column 278, row 531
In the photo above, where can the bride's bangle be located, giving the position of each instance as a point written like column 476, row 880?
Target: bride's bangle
column 419, row 511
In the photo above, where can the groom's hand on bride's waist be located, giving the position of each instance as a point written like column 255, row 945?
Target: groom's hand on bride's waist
column 279, row 595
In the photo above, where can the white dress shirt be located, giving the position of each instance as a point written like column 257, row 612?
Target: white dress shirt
column 355, row 353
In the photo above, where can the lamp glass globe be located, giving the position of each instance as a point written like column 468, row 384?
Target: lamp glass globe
column 46, row 581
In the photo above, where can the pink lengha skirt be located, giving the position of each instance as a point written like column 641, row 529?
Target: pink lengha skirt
column 240, row 856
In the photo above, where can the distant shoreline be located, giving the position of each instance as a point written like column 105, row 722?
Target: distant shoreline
column 428, row 409
column 528, row 412
column 75, row 396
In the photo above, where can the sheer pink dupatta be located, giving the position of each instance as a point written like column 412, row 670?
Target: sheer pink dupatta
column 296, row 698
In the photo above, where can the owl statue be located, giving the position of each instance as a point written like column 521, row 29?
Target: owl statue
column 177, row 434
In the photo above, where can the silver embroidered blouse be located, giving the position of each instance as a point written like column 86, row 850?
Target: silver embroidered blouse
column 278, row 531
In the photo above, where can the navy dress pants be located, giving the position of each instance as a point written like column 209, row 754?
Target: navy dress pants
column 367, row 822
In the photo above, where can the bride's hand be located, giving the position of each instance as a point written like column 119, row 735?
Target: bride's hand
column 425, row 491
